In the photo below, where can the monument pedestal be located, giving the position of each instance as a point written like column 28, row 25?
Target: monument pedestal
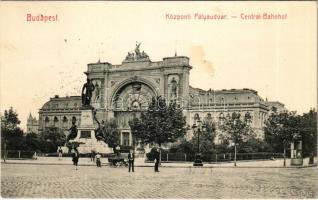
column 86, row 135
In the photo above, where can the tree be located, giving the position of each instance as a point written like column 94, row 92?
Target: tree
column 110, row 133
column 184, row 146
column 253, row 145
column 14, row 140
column 10, row 120
column 161, row 123
column 309, row 133
column 206, row 138
column 281, row 129
column 33, row 142
column 11, row 135
column 136, row 127
column 207, row 145
column 52, row 137
column 236, row 130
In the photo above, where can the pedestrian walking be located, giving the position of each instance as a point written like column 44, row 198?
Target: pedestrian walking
column 98, row 160
column 311, row 159
column 131, row 160
column 35, row 156
column 75, row 156
column 157, row 157
column 60, row 151
column 93, row 155
column 118, row 150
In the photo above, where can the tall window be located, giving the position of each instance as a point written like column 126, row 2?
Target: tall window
column 209, row 117
column 46, row 122
column 73, row 120
column 221, row 118
column 65, row 122
column 248, row 117
column 125, row 138
column 196, row 118
column 56, row 122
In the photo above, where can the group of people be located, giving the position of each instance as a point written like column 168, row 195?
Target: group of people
column 97, row 157
column 131, row 160
column 74, row 153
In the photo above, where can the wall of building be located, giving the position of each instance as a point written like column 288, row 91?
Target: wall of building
column 168, row 78
column 59, row 112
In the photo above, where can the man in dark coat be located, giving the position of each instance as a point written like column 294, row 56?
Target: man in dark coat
column 75, row 158
column 157, row 157
column 131, row 159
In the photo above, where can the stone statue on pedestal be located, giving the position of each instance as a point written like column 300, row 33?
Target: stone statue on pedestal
column 99, row 132
column 72, row 131
column 174, row 86
column 87, row 92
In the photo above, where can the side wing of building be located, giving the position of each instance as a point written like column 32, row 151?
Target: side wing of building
column 59, row 112
column 215, row 105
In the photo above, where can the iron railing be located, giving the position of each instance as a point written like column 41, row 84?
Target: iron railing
column 218, row 157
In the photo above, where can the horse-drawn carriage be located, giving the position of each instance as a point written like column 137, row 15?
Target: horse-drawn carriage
column 118, row 160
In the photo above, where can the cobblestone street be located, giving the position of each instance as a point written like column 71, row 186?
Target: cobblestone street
column 62, row 181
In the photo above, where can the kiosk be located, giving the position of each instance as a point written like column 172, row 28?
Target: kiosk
column 296, row 153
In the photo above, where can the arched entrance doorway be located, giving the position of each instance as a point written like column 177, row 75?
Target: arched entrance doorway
column 127, row 102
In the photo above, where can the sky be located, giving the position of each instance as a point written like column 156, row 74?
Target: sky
column 277, row 58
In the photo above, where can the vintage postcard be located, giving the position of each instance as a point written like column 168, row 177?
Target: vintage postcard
column 149, row 100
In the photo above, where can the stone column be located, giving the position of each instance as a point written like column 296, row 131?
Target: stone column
column 130, row 139
column 121, row 138
column 165, row 89
column 181, row 85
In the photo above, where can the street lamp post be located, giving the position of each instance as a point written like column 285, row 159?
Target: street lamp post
column 198, row 147
column 197, row 129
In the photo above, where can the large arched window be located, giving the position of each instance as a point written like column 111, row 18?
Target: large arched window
column 74, row 120
column 56, row 122
column 236, row 115
column 46, row 122
column 132, row 95
column 208, row 117
column 65, row 122
column 221, row 118
column 196, row 118
column 248, row 117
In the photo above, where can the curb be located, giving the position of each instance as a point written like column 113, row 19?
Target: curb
column 27, row 163
column 106, row 164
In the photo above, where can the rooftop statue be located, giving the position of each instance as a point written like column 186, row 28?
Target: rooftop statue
column 130, row 56
column 137, row 51
column 137, row 55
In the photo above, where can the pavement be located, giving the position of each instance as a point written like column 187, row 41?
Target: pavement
column 63, row 181
column 140, row 162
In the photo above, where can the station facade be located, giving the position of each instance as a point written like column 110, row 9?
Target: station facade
column 123, row 91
